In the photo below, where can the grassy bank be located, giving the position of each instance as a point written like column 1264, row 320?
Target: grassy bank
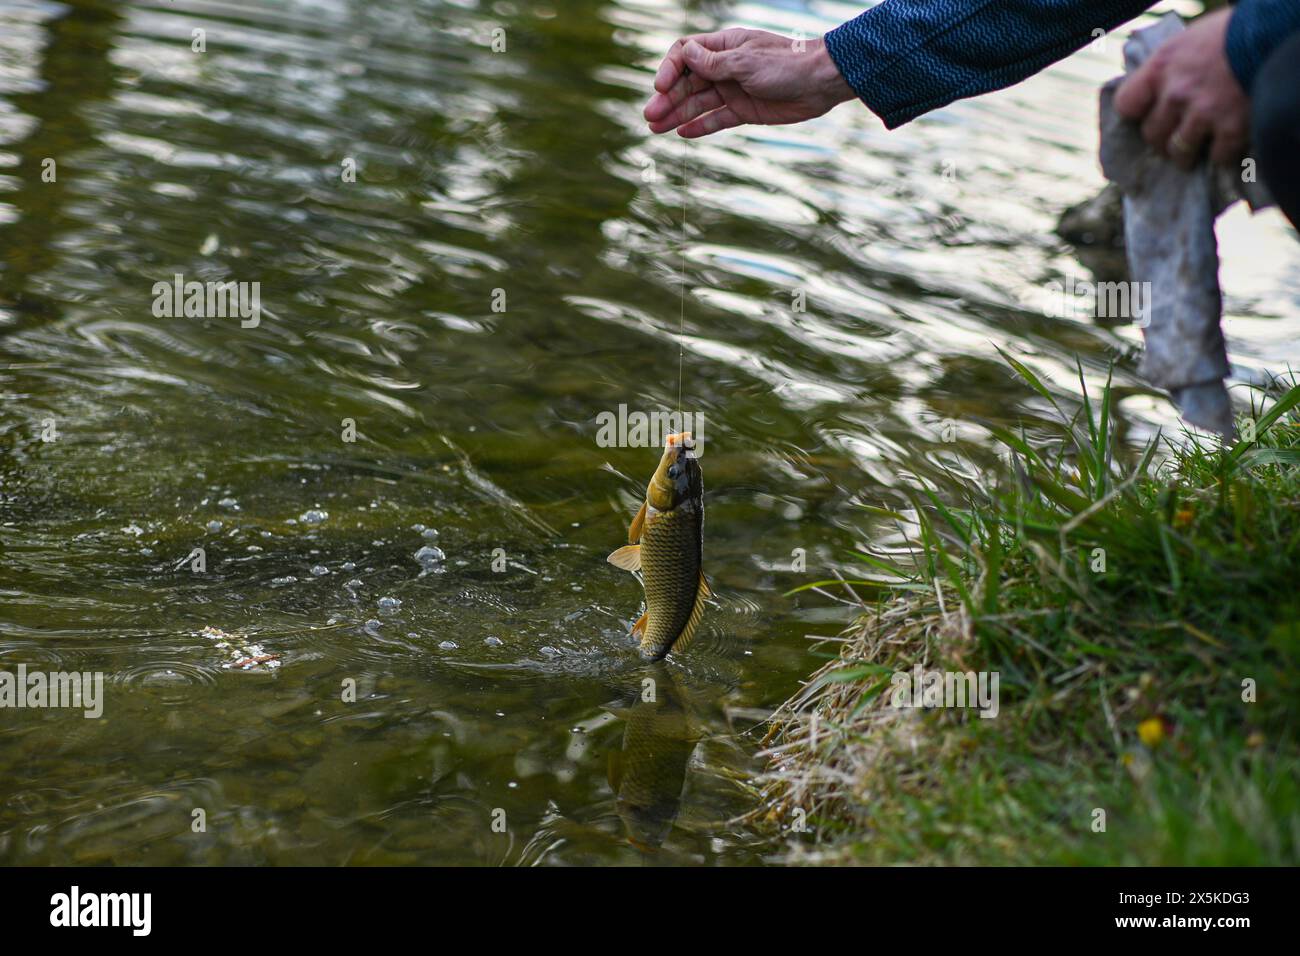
column 1126, row 610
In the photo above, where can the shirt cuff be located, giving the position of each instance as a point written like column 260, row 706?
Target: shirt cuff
column 869, row 50
column 1255, row 29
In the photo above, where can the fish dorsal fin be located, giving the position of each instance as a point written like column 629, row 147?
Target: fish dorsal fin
column 638, row 525
column 627, row 557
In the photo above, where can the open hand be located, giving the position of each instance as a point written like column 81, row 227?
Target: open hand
column 714, row 81
column 1187, row 97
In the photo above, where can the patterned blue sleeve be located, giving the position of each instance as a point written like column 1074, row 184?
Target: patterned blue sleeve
column 1256, row 28
column 907, row 57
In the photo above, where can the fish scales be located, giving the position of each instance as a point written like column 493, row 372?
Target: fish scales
column 671, row 561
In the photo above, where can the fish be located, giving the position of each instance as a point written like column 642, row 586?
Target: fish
column 666, row 545
column 648, row 773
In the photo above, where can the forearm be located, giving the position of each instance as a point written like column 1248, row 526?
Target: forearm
column 907, row 57
column 1257, row 28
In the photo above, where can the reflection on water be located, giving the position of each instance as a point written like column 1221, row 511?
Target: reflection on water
column 649, row 771
column 394, row 477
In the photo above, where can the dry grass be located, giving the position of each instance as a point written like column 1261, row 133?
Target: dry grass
column 837, row 748
column 828, row 744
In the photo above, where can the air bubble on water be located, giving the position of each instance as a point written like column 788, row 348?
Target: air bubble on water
column 417, row 528
column 353, row 583
column 133, row 529
column 213, row 527
column 448, row 645
column 389, row 603
column 575, row 587
column 230, row 503
column 430, row 534
column 428, row 556
column 284, row 581
column 492, row 641
column 254, row 549
column 319, row 570
column 349, row 566
column 313, row 516
column 373, row 624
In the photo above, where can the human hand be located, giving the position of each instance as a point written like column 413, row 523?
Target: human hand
column 1187, row 97
column 714, row 81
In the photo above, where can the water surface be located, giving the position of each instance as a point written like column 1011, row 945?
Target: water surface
column 506, row 267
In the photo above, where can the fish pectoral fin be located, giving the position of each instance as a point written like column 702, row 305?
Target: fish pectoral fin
column 627, row 557
column 637, row 526
column 643, row 622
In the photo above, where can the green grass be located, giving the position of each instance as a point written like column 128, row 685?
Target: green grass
column 1200, row 591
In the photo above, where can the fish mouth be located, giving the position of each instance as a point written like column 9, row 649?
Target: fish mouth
column 683, row 442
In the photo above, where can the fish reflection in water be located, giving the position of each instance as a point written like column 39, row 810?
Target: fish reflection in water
column 648, row 773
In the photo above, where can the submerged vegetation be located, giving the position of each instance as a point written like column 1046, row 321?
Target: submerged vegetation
column 1144, row 622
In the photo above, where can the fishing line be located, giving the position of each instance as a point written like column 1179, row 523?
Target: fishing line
column 681, row 267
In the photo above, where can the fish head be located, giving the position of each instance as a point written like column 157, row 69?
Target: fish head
column 678, row 477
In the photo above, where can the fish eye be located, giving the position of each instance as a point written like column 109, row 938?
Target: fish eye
column 674, row 470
